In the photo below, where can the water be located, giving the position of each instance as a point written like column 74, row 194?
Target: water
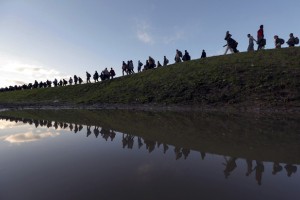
column 145, row 155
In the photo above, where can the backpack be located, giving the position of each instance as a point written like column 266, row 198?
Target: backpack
column 179, row 53
column 296, row 40
column 263, row 42
column 281, row 41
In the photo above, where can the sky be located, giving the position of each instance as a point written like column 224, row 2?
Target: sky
column 47, row 39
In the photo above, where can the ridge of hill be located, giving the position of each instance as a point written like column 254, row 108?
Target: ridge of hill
column 261, row 80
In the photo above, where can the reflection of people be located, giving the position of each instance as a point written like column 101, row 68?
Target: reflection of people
column 203, row 154
column 276, row 168
column 76, row 128
column 80, row 127
column 96, row 131
column 178, row 152
column 185, row 152
column 150, row 145
column 290, row 169
column 112, row 135
column 166, row 147
column 259, row 169
column 88, row 131
column 249, row 167
column 71, row 127
column 55, row 125
column 128, row 141
column 49, row 124
column 140, row 143
column 36, row 123
column 105, row 133
column 230, row 165
column 65, row 125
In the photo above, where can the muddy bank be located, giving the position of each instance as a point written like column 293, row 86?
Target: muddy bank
column 257, row 109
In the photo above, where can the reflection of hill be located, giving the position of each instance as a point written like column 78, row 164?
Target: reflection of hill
column 256, row 138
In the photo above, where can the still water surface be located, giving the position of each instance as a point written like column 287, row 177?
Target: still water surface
column 136, row 155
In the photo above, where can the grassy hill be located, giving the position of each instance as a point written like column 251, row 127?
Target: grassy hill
column 268, row 79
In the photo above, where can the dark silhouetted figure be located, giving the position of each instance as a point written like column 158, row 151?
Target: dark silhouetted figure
column 251, row 43
column 150, row 145
column 70, row 81
column 80, row 127
column 178, row 153
column 112, row 135
column 166, row 61
column 230, row 165
column 158, row 64
column 76, row 128
column 96, row 76
column 112, row 73
column 96, row 131
column 124, row 68
column 203, row 154
column 88, row 77
column 231, row 43
column 261, row 42
column 55, row 82
column 140, row 142
column 178, row 56
column 186, row 56
column 249, row 167
column 276, row 168
column 292, row 40
column 166, row 147
column 151, row 63
column 278, row 42
column 290, row 169
column 203, row 55
column 75, row 79
column 80, row 80
column 88, row 131
column 259, row 169
column 140, row 64
column 186, row 152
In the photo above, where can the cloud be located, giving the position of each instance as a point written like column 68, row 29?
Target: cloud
column 143, row 33
column 173, row 38
column 15, row 71
column 27, row 137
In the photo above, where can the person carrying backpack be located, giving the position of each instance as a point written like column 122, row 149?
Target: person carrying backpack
column 278, row 42
column 292, row 40
column 166, row 61
column 261, row 42
column 203, row 55
column 88, row 76
column 178, row 56
column 251, row 43
column 233, row 44
column 227, row 36
column 112, row 73
column 186, row 56
column 140, row 64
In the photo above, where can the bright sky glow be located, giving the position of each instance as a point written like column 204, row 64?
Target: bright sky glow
column 42, row 40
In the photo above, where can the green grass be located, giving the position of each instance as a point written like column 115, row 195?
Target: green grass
column 268, row 78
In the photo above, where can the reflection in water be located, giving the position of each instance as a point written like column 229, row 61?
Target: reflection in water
column 128, row 141
column 27, row 137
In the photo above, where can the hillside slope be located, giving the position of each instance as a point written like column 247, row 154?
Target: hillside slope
column 258, row 80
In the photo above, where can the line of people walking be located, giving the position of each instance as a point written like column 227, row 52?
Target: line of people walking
column 128, row 67
column 231, row 44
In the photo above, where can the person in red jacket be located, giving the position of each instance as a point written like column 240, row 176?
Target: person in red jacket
column 260, row 38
